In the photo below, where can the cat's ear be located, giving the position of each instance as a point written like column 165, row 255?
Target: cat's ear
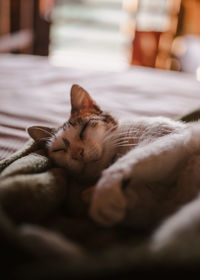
column 81, row 101
column 40, row 133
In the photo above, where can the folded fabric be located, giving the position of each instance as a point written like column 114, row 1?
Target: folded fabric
column 30, row 188
column 33, row 191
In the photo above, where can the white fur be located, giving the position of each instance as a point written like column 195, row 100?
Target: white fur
column 154, row 164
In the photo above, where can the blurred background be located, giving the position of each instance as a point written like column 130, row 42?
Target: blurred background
column 105, row 34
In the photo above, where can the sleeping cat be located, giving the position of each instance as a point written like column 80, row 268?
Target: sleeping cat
column 147, row 166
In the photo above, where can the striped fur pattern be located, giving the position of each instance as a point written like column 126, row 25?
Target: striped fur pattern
column 140, row 162
column 82, row 144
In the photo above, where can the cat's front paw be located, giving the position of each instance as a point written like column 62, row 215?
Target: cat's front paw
column 108, row 205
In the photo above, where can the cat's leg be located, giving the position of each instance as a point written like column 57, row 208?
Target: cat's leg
column 153, row 162
column 108, row 204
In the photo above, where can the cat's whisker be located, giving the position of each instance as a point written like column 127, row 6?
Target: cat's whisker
column 127, row 132
column 120, row 143
column 123, row 139
column 116, row 137
column 126, row 135
column 109, row 135
column 126, row 145
column 110, row 130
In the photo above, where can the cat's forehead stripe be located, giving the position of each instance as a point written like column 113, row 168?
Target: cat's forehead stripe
column 81, row 120
column 66, row 142
column 65, row 125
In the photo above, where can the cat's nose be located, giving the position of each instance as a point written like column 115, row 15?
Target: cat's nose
column 78, row 154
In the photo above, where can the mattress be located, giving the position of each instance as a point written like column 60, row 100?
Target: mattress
column 33, row 92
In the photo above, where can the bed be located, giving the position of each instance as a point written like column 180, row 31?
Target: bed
column 32, row 91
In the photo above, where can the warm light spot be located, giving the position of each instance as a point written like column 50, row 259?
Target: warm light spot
column 198, row 74
column 179, row 47
column 90, row 61
column 130, row 5
column 128, row 27
column 174, row 6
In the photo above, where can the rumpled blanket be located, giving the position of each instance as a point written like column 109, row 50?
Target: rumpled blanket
column 45, row 232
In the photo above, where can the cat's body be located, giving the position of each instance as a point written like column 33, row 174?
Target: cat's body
column 159, row 177
column 144, row 165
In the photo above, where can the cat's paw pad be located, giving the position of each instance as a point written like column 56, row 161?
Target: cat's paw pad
column 108, row 206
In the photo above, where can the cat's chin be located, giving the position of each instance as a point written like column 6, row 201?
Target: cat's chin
column 91, row 171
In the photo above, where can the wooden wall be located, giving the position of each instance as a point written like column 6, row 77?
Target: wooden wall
column 23, row 27
column 190, row 21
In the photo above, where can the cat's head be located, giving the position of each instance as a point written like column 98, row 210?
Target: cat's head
column 82, row 144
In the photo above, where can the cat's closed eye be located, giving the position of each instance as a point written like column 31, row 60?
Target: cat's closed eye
column 59, row 150
column 83, row 129
column 91, row 123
